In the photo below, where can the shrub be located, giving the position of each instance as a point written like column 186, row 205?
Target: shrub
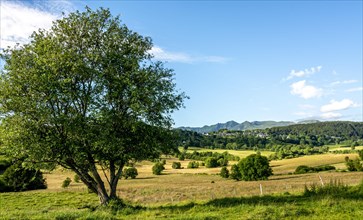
column 235, row 173
column 4, row 164
column 353, row 165
column 360, row 153
column 66, row 182
column 130, row 172
column 176, row 165
column 211, row 162
column 163, row 161
column 18, row 178
column 76, row 178
column 193, row 164
column 255, row 167
column 306, row 169
column 181, row 157
column 158, row 168
column 224, row 172
column 222, row 162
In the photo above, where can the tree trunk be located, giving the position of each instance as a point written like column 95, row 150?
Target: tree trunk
column 102, row 195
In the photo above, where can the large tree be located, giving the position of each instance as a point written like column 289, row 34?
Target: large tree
column 88, row 96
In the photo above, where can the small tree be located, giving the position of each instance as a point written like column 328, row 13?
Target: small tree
column 176, row 165
column 211, row 162
column 222, row 162
column 235, row 173
column 255, row 167
column 19, row 178
column 130, row 172
column 360, row 153
column 76, row 178
column 224, row 172
column 66, row 182
column 158, row 168
column 193, row 164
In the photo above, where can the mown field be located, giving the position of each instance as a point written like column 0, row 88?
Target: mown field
column 197, row 194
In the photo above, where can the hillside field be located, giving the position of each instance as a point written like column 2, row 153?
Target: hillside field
column 201, row 187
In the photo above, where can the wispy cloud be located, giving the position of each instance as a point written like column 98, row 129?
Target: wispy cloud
column 357, row 89
column 305, row 91
column 19, row 20
column 302, row 73
column 337, row 105
column 331, row 115
column 164, row 55
column 343, row 82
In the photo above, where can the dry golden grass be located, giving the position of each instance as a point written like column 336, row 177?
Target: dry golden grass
column 175, row 186
column 240, row 153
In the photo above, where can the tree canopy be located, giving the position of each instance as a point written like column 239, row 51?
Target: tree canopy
column 254, row 167
column 88, row 96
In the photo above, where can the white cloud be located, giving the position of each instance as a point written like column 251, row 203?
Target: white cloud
column 305, row 91
column 357, row 89
column 343, row 82
column 19, row 20
column 337, row 105
column 163, row 55
column 331, row 115
column 306, row 106
column 303, row 73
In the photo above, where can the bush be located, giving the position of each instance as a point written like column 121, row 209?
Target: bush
column 193, row 164
column 235, row 173
column 222, row 162
column 255, row 167
column 224, row 172
column 211, row 162
column 66, row 182
column 163, row 161
column 158, row 168
column 176, row 165
column 353, row 165
column 19, row 178
column 76, row 178
column 4, row 164
column 130, row 172
column 181, row 157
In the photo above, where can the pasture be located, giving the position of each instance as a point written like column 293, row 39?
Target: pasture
column 193, row 194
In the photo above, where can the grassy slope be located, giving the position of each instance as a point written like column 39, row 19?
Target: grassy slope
column 72, row 205
column 170, row 195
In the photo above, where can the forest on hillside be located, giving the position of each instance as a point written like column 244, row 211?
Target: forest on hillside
column 287, row 141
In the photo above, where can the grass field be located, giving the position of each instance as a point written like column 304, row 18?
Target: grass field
column 194, row 194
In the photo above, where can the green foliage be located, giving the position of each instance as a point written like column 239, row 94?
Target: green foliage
column 176, row 165
column 4, row 164
column 255, row 167
column 306, row 169
column 66, row 182
column 222, row 162
column 224, row 172
column 360, row 153
column 182, row 157
column 76, row 178
column 334, row 188
column 130, row 172
column 18, row 178
column 158, row 168
column 235, row 172
column 193, row 164
column 87, row 91
column 163, row 161
column 211, row 162
column 353, row 165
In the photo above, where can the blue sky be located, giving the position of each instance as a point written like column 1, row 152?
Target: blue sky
column 237, row 60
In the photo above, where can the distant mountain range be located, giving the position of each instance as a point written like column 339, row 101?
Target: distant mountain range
column 235, row 126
